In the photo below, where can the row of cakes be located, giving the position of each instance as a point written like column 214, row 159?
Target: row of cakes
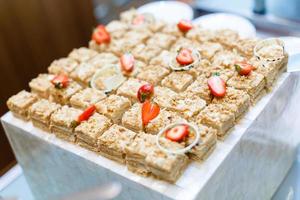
column 163, row 81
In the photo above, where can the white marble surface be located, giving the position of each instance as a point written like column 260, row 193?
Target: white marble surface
column 249, row 164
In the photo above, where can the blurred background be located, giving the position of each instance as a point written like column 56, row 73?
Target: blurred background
column 35, row 32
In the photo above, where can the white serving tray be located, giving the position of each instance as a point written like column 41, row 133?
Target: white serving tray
column 249, row 164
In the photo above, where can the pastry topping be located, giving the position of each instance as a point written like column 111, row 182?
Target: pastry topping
column 138, row 20
column 184, row 56
column 86, row 114
column 107, row 78
column 100, row 35
column 243, row 68
column 185, row 25
column 217, row 86
column 149, row 111
column 177, row 133
column 127, row 62
column 145, row 92
column 60, row 81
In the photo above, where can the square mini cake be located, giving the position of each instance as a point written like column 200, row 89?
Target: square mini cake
column 161, row 40
column 113, row 141
column 83, row 73
column 113, row 107
column 82, row 54
column 62, row 66
column 177, row 81
column 62, row 95
column 146, row 52
column 132, row 118
column 20, row 103
column 89, row 131
column 40, row 113
column 86, row 98
column 63, row 122
column 253, row 84
column 103, row 59
column 153, row 74
column 217, row 116
column 130, row 88
column 41, row 85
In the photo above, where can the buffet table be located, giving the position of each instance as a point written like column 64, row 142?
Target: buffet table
column 249, row 164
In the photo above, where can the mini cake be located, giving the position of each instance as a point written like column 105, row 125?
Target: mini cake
column 217, row 116
column 41, row 85
column 138, row 36
column 103, row 59
column 162, row 59
column 86, row 98
column 88, row 132
column 184, row 43
column 253, row 84
column 246, row 47
column 200, row 35
column 82, row 54
column 166, row 166
column 63, row 95
column 63, row 122
column 20, row 103
column 164, row 96
column 209, row 49
column 83, row 73
column 163, row 119
column 153, row 74
column 113, row 141
column 161, row 40
column 226, row 59
column 208, row 143
column 227, row 38
column 40, row 113
column 117, row 29
column 137, row 151
column 62, row 66
column 130, row 88
column 137, row 68
column 199, row 88
column 121, row 46
column 132, row 118
column 146, row 52
column 177, row 81
column 113, row 107
column 172, row 29
column 225, row 72
column 237, row 100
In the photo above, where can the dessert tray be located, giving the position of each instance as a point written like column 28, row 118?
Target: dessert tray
column 158, row 107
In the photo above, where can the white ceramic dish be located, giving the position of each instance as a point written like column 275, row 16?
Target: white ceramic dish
column 224, row 20
column 169, row 11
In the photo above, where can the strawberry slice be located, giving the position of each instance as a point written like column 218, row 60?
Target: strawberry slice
column 177, row 133
column 145, row 92
column 138, row 20
column 127, row 62
column 86, row 114
column 149, row 111
column 100, row 35
column 60, row 81
column 217, row 86
column 184, row 57
column 184, row 25
column 243, row 68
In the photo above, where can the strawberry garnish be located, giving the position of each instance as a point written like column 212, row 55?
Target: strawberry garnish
column 184, row 57
column 86, row 114
column 243, row 68
column 127, row 62
column 184, row 25
column 217, row 86
column 145, row 92
column 149, row 111
column 60, row 81
column 177, row 133
column 138, row 20
column 100, row 35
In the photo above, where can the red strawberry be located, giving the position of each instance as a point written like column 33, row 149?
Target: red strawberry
column 145, row 92
column 60, row 81
column 149, row 111
column 217, row 86
column 138, row 20
column 127, row 62
column 177, row 133
column 100, row 35
column 184, row 57
column 86, row 114
column 185, row 25
column 243, row 68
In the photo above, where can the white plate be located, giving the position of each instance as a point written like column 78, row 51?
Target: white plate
column 169, row 11
column 224, row 20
